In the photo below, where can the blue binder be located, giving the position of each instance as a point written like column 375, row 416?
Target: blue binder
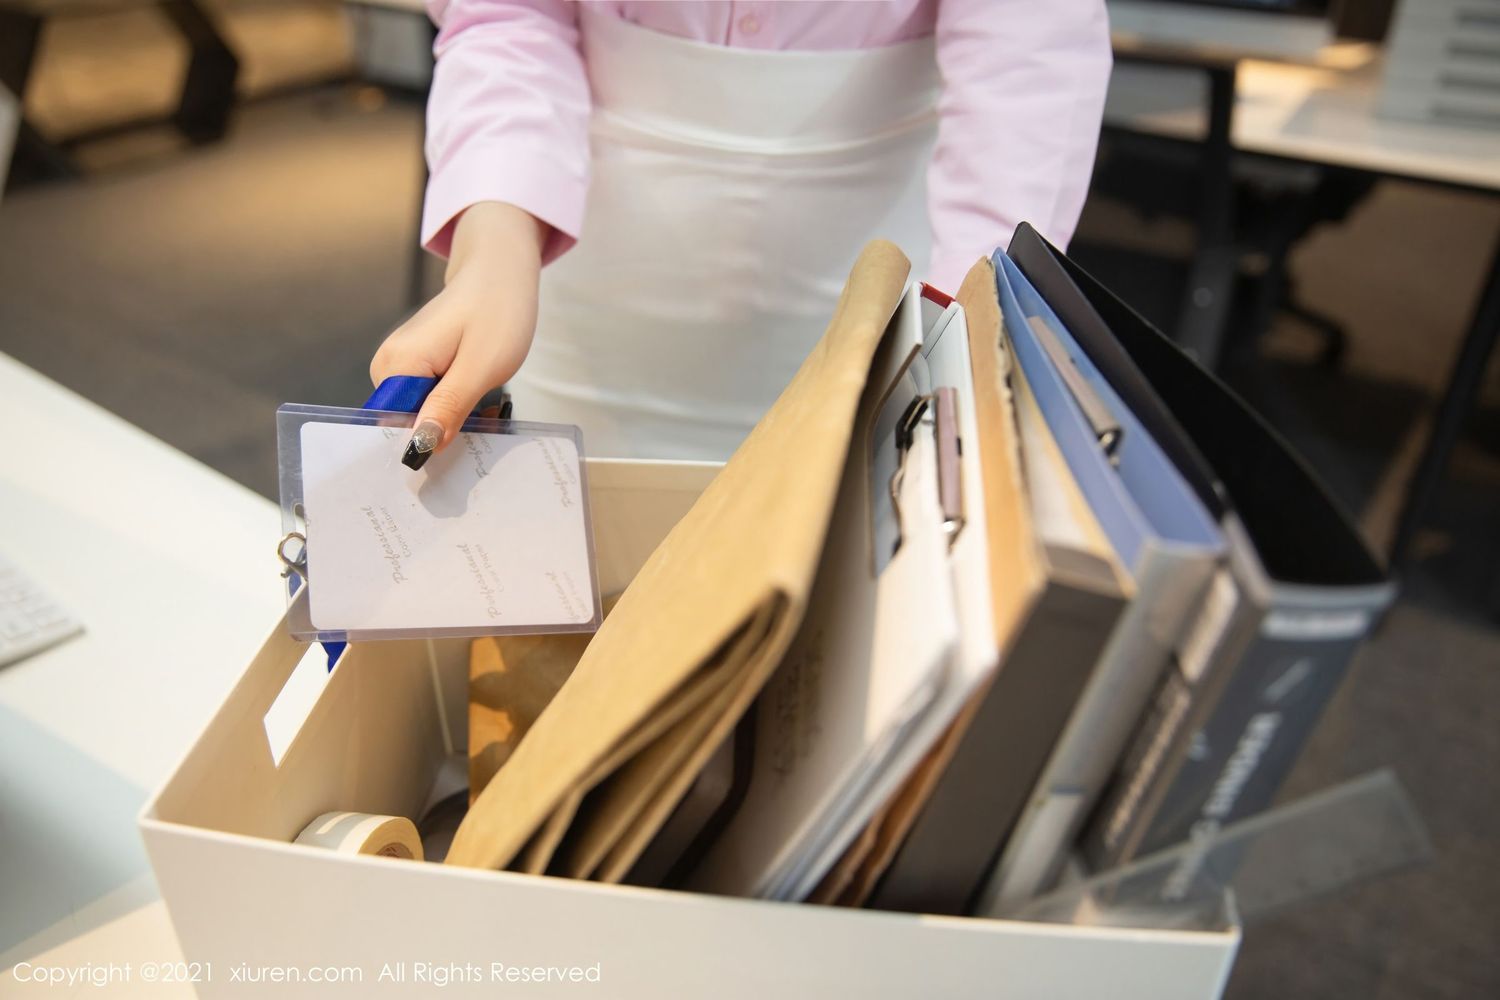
column 1139, row 497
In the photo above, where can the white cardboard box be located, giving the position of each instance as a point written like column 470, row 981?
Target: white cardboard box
column 246, row 901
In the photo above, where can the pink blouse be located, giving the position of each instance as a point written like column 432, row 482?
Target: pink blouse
column 1019, row 116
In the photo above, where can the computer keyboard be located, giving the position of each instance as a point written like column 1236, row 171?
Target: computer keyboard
column 30, row 621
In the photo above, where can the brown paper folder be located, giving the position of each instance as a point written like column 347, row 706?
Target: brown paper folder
column 701, row 627
column 512, row 678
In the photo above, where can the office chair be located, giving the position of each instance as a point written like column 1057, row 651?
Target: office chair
column 1276, row 205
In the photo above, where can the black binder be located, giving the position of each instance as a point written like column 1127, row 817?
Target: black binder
column 1300, row 590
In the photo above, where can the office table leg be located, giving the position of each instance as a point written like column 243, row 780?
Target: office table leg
column 33, row 155
column 1456, row 406
column 20, row 31
column 1203, row 317
column 208, row 92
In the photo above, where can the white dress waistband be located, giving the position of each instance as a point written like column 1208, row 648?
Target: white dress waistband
column 757, row 100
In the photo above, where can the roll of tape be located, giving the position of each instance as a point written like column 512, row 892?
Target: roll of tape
column 362, row 833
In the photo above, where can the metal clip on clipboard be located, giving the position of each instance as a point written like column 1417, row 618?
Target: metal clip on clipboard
column 939, row 410
column 1103, row 421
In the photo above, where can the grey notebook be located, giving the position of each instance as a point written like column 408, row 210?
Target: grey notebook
column 1046, row 665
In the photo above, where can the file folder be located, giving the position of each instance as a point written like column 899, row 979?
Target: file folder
column 943, row 362
column 1299, row 590
column 1057, row 595
column 1165, row 538
column 880, row 633
column 859, row 743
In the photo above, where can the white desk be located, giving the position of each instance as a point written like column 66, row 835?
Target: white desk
column 1327, row 117
column 1315, row 115
column 170, row 567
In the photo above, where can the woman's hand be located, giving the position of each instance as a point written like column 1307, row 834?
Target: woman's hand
column 475, row 332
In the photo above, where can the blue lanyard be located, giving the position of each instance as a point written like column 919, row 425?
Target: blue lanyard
column 401, row 394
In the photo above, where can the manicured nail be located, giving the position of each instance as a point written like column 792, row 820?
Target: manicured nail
column 423, row 440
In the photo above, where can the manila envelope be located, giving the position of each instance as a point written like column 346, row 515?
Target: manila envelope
column 512, row 678
column 698, row 631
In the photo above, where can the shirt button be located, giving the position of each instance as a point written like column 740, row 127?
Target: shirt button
column 749, row 24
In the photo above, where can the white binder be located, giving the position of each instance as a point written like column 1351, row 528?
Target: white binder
column 897, row 636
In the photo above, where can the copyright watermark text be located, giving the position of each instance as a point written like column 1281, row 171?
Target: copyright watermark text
column 436, row 975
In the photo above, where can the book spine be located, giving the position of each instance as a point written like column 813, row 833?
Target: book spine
column 1115, row 829
column 953, row 843
column 1259, row 724
column 1216, row 753
column 1141, row 652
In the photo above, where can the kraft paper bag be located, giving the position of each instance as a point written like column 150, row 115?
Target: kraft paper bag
column 1016, row 572
column 512, row 678
column 701, row 627
column 633, row 803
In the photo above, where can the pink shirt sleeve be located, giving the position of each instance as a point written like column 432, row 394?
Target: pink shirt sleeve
column 507, row 119
column 1023, row 100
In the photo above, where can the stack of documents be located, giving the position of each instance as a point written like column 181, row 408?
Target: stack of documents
column 898, row 636
column 697, row 633
column 1225, row 714
column 1297, row 590
column 1001, row 581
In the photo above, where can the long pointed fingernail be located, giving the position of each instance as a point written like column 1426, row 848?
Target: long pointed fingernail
column 423, row 440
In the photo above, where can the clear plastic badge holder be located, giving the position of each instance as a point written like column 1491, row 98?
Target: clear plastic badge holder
column 491, row 537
